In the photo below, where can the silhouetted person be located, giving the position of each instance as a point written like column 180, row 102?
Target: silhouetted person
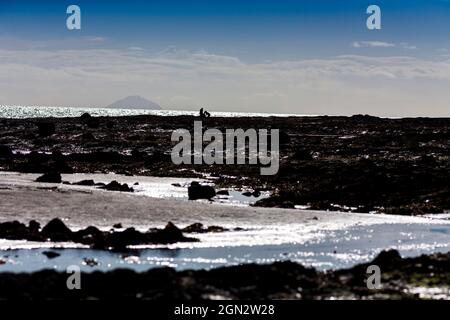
column 204, row 114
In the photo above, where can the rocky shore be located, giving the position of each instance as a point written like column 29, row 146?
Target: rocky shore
column 359, row 163
column 57, row 231
column 423, row 277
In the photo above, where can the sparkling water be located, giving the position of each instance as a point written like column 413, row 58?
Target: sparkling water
column 22, row 112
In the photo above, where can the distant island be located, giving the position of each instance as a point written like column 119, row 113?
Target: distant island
column 135, row 102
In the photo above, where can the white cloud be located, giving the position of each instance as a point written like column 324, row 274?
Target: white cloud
column 95, row 39
column 372, row 44
column 382, row 44
column 177, row 78
column 134, row 48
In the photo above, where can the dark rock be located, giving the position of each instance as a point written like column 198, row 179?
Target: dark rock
column 85, row 116
column 34, row 226
column 287, row 205
column 117, row 226
column 428, row 159
column 387, row 258
column 84, row 183
column 172, row 231
column 116, row 186
column 13, row 230
column 89, row 120
column 91, row 262
column 170, row 234
column 46, row 129
column 256, row 193
column 301, row 154
column 216, row 229
column 51, row 254
column 89, row 231
column 414, row 209
column 284, row 138
column 135, row 153
column 93, row 123
column 5, row 152
column 50, row 177
column 247, row 194
column 194, row 228
column 364, row 118
column 197, row 191
column 200, row 228
column 88, row 136
column 56, row 230
column 223, row 193
column 120, row 240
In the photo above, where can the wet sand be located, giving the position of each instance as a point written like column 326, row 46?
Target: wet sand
column 24, row 200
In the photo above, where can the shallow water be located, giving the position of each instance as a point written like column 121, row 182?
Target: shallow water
column 155, row 187
column 321, row 239
column 327, row 249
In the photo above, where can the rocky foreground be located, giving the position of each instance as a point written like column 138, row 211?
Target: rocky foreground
column 401, row 278
column 359, row 163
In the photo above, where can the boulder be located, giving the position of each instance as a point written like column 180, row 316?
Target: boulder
column 85, row 116
column 84, row 183
column 197, row 191
column 50, row 254
column 116, row 186
column 46, row 129
column 56, row 230
column 50, row 177
column 387, row 258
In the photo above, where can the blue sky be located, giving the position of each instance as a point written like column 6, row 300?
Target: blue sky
column 250, row 29
column 260, row 35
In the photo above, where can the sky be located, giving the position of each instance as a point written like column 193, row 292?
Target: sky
column 302, row 57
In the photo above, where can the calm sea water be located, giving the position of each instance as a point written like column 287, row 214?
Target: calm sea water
column 22, row 112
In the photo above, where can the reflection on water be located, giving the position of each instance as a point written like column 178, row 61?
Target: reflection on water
column 330, row 249
column 22, row 112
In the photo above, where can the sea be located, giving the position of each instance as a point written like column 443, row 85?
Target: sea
column 23, row 112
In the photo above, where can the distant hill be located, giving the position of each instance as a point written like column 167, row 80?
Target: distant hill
column 135, row 102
